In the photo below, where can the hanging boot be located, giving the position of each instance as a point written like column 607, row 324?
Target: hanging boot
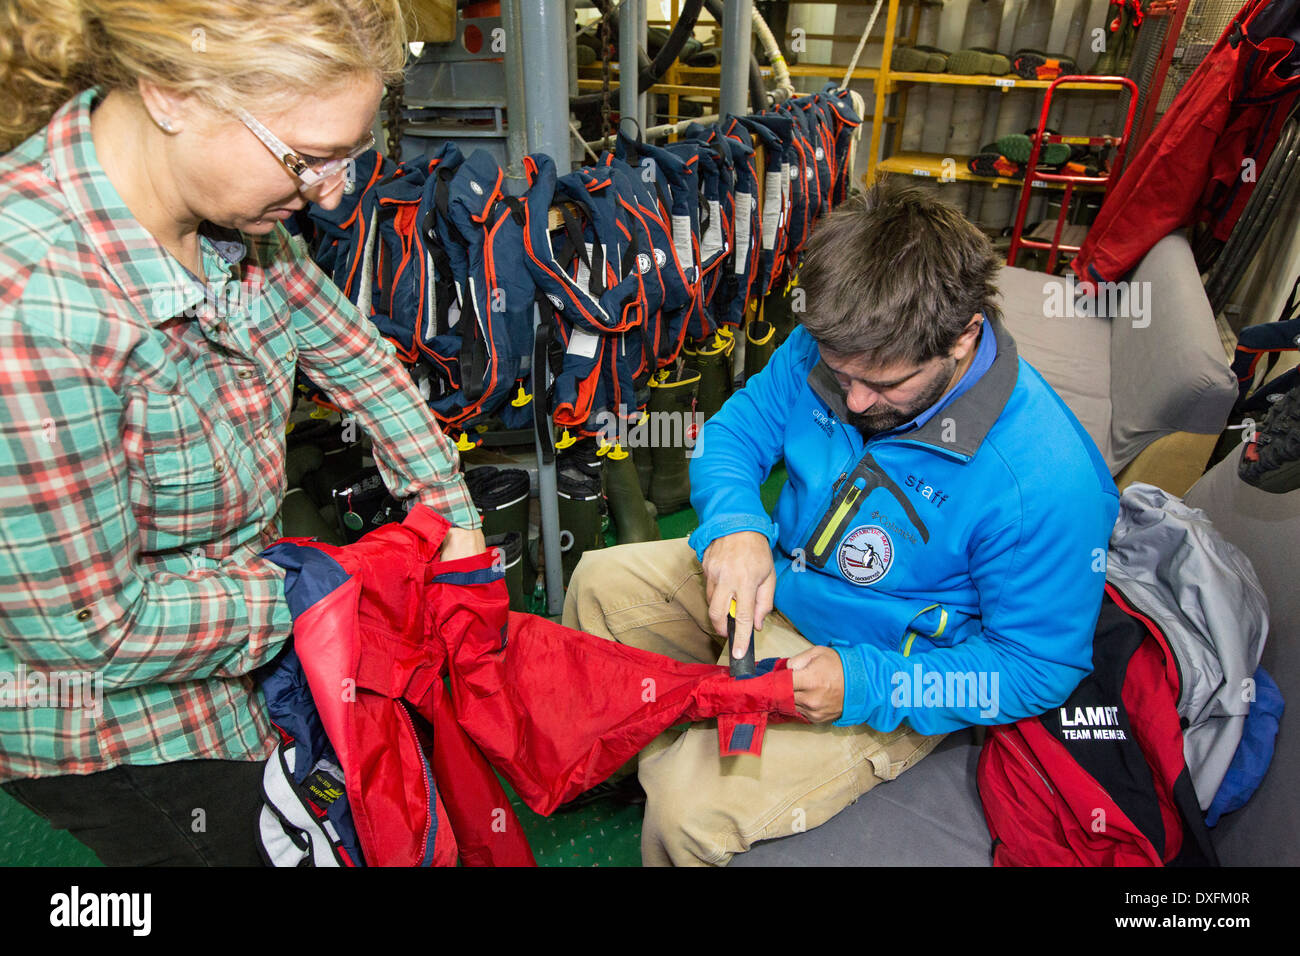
column 760, row 343
column 645, row 466
column 627, row 505
column 673, row 426
column 777, row 309
column 713, row 359
column 578, row 483
column 300, row 461
column 339, row 466
column 299, row 518
column 501, row 497
column 511, row 545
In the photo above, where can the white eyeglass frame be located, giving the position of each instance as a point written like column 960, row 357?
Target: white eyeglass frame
column 309, row 176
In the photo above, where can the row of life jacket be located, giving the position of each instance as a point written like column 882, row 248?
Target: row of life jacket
column 626, row 259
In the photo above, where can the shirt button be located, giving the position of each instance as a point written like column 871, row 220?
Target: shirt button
column 293, row 355
column 221, row 467
column 264, row 432
column 84, row 614
column 245, row 373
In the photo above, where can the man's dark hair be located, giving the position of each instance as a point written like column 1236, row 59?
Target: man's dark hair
column 895, row 274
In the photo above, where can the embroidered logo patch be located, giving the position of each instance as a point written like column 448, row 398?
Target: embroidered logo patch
column 556, row 301
column 866, row 555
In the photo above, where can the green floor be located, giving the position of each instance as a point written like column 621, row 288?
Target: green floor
column 602, row 834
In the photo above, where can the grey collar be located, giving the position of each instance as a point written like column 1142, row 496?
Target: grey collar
column 971, row 414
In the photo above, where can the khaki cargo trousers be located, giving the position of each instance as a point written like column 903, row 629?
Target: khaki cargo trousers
column 702, row 808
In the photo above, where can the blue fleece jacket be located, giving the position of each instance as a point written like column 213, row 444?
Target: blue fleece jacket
column 956, row 566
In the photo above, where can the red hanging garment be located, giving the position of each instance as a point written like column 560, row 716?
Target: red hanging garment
column 554, row 710
column 1191, row 168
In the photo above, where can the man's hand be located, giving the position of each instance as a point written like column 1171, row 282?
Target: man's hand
column 818, row 684
column 739, row 566
column 461, row 543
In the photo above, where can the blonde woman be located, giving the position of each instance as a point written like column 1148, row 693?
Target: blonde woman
column 152, row 312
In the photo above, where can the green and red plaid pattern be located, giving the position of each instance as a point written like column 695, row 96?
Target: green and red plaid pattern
column 142, row 464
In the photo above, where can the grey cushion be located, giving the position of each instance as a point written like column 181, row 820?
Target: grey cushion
column 1105, row 369
column 929, row 816
column 1195, row 389
column 1266, row 831
column 1073, row 354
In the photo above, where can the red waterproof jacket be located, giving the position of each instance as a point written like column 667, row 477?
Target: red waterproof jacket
column 1191, row 169
column 378, row 624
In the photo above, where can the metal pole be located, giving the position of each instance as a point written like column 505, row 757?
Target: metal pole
column 737, row 39
column 643, row 40
column 656, row 132
column 629, row 32
column 570, row 18
column 516, row 111
column 546, row 110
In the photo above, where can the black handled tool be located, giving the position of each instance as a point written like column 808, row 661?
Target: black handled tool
column 741, row 667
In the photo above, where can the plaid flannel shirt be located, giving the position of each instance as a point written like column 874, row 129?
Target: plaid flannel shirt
column 142, row 465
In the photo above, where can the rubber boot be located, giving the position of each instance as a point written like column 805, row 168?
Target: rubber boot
column 713, row 358
column 627, row 505
column 501, row 496
column 760, row 343
column 579, row 491
column 673, row 426
column 511, row 545
column 300, row 461
column 778, row 310
column 645, row 467
column 339, row 466
column 299, row 518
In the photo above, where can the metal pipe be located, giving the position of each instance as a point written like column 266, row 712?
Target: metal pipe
column 516, row 111
column 737, row 40
column 628, row 34
column 643, row 42
column 655, row 132
column 546, row 111
column 570, row 18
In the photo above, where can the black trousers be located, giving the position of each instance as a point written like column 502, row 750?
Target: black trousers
column 188, row 813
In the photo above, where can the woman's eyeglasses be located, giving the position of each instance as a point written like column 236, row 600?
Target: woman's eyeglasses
column 311, row 171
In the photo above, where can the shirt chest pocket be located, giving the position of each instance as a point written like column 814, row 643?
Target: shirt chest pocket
column 190, row 490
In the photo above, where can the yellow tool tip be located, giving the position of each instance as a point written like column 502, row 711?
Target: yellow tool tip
column 732, row 610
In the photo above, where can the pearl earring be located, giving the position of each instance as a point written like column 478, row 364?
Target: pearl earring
column 166, row 124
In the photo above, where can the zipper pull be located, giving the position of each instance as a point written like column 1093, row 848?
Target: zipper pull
column 838, row 481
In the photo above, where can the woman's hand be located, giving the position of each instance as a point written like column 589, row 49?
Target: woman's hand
column 462, row 543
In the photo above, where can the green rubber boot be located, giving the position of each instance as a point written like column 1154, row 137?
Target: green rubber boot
column 511, row 545
column 300, row 461
column 713, row 358
column 760, row 343
column 627, row 505
column 299, row 518
column 778, row 310
column 579, row 491
column 501, row 497
column 340, row 465
column 673, row 427
column 645, row 466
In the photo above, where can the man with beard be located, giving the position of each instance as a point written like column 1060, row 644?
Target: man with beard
column 944, row 527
